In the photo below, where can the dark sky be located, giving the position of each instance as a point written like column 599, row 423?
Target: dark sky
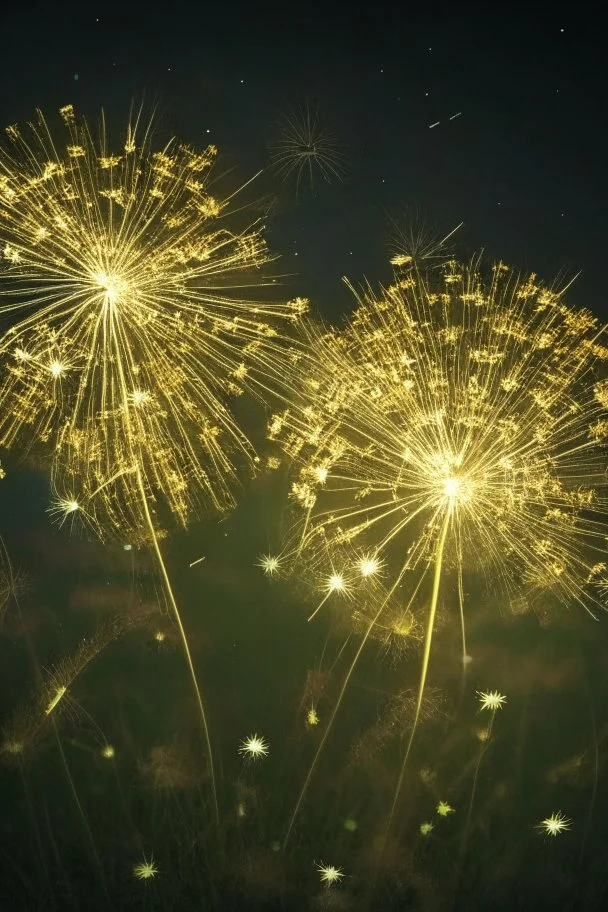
column 523, row 165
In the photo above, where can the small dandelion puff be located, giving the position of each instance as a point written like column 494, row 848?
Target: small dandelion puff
column 491, row 700
column 426, row 828
column 61, row 508
column 312, row 717
column 306, row 150
column 254, row 747
column 369, row 565
column 145, row 870
column 329, row 874
column 444, row 809
column 555, row 824
column 335, row 583
column 270, row 564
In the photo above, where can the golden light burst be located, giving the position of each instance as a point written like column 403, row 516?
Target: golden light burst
column 554, row 824
column 456, row 411
column 459, row 422
column 491, row 700
column 329, row 874
column 253, row 747
column 146, row 869
column 127, row 283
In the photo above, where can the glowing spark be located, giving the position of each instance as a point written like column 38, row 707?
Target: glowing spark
column 555, row 824
column 57, row 368
column 491, row 700
column 145, row 869
column 198, row 561
column 270, row 564
column 336, row 583
column 254, row 747
column 369, row 565
column 312, row 717
column 329, row 874
column 444, row 809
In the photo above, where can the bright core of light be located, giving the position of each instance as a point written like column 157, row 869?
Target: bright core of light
column 451, row 487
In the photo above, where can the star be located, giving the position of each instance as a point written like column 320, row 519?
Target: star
column 330, row 875
column 145, row 870
column 270, row 564
column 443, row 809
column 254, row 747
column 491, row 700
column 556, row 823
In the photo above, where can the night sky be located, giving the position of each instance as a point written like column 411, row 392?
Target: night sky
column 523, row 165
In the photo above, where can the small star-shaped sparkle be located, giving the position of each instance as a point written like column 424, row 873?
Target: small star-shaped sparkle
column 491, row 700
column 426, row 828
column 369, row 565
column 145, row 870
column 556, row 823
column 444, row 809
column 330, row 875
column 254, row 747
column 270, row 564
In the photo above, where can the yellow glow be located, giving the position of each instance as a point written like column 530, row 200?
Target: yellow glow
column 451, row 487
column 456, row 392
column 59, row 694
column 116, row 266
column 57, row 368
column 462, row 419
column 115, row 261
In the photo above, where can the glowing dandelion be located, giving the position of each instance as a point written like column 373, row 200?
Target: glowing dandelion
column 444, row 809
column 128, row 284
column 334, row 583
column 492, row 700
column 329, row 874
column 254, row 747
column 369, row 565
column 460, row 422
column 426, row 828
column 312, row 717
column 270, row 564
column 145, row 870
column 555, row 824
column 417, row 245
column 306, row 149
column 133, row 330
